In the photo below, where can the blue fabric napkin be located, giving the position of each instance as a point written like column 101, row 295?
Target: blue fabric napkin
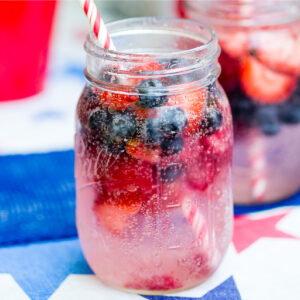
column 37, row 197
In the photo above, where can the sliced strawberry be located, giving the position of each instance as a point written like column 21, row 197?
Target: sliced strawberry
column 128, row 173
column 115, row 212
column 139, row 150
column 279, row 50
column 235, row 44
column 192, row 103
column 263, row 84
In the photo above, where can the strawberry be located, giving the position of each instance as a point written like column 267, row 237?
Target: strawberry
column 192, row 104
column 201, row 174
column 263, row 84
column 144, row 68
column 235, row 44
column 128, row 173
column 140, row 151
column 279, row 50
column 113, row 213
column 230, row 72
column 117, row 101
column 144, row 113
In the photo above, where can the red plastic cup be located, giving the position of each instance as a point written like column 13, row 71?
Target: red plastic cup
column 25, row 30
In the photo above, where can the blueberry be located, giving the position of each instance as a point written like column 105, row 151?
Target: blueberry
column 212, row 120
column 172, row 145
column 270, row 128
column 149, row 98
column 171, row 121
column 171, row 173
column 267, row 119
column 122, row 126
column 151, row 131
column 242, row 107
column 289, row 114
column 295, row 98
column 98, row 119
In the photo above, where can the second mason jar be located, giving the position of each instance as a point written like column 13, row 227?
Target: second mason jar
column 260, row 42
column 153, row 157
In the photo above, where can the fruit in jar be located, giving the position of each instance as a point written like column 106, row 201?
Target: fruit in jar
column 263, row 84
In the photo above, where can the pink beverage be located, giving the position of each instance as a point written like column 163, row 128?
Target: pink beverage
column 260, row 42
column 25, row 31
column 153, row 157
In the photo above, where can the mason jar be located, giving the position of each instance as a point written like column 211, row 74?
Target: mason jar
column 260, row 42
column 153, row 157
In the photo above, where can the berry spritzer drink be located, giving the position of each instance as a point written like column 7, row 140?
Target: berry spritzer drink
column 260, row 42
column 153, row 157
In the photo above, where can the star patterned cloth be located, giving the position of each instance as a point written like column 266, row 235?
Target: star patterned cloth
column 40, row 255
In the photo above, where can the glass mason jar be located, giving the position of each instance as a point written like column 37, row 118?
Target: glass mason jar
column 153, row 157
column 260, row 42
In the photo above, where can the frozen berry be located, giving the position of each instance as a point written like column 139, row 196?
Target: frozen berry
column 171, row 121
column 172, row 145
column 171, row 173
column 267, row 119
column 122, row 126
column 148, row 97
column 98, row 118
column 212, row 120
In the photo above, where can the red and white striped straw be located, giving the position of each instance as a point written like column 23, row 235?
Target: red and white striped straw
column 97, row 24
column 258, row 167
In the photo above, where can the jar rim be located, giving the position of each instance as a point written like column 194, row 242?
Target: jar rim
column 92, row 47
column 198, row 53
column 245, row 13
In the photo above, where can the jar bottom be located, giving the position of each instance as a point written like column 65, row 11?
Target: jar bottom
column 158, row 292
column 280, row 159
column 249, row 200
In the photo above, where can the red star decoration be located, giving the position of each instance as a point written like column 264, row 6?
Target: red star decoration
column 247, row 231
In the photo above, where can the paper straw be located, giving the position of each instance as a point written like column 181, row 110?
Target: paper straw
column 257, row 160
column 97, row 24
